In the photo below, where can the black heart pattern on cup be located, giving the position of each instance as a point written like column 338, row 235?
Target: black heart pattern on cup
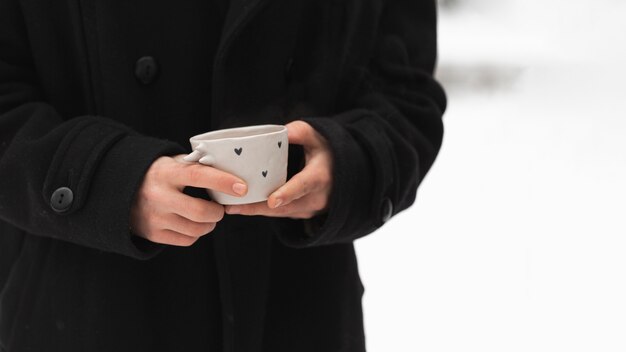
column 280, row 143
column 264, row 173
column 238, row 151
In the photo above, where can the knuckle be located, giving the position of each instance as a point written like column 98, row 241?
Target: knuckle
column 158, row 169
column 202, row 229
column 305, row 129
column 209, row 228
column 150, row 193
column 308, row 132
column 195, row 210
column 180, row 240
column 187, row 241
column 198, row 232
column 224, row 182
column 219, row 213
column 153, row 172
column 201, row 211
column 160, row 236
column 195, row 174
column 190, row 228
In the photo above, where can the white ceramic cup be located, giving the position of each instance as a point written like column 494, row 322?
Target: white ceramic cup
column 257, row 154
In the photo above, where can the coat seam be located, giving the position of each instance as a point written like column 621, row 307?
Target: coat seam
column 88, row 15
column 89, row 76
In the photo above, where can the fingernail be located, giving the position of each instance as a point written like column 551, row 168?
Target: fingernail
column 240, row 188
column 278, row 203
column 233, row 209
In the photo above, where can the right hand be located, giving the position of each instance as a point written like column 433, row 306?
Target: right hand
column 162, row 213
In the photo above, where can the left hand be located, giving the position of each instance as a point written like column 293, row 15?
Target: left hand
column 306, row 194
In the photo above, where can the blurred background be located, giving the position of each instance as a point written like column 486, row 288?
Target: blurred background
column 517, row 240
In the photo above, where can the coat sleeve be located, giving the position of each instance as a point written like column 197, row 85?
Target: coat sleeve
column 388, row 132
column 101, row 162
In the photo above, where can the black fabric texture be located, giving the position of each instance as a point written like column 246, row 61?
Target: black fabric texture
column 73, row 114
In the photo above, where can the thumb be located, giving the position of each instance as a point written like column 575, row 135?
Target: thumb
column 300, row 132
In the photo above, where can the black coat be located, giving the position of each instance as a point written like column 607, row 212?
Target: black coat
column 82, row 118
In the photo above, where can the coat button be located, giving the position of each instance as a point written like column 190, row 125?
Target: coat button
column 146, row 69
column 386, row 209
column 61, row 199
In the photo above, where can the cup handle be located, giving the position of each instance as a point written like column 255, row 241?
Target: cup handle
column 207, row 160
column 194, row 156
column 199, row 156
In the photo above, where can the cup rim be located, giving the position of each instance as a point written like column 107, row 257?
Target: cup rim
column 231, row 133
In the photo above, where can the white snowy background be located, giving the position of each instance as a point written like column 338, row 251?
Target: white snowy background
column 517, row 240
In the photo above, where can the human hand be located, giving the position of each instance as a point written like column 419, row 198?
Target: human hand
column 162, row 213
column 306, row 193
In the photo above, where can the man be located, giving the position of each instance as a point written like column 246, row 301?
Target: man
column 108, row 241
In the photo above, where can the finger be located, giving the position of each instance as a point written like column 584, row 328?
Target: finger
column 163, row 200
column 307, row 181
column 299, row 206
column 302, row 215
column 259, row 208
column 300, row 132
column 297, row 187
column 203, row 176
column 195, row 209
column 172, row 238
column 185, row 226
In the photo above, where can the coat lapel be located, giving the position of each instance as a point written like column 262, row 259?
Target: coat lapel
column 239, row 14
